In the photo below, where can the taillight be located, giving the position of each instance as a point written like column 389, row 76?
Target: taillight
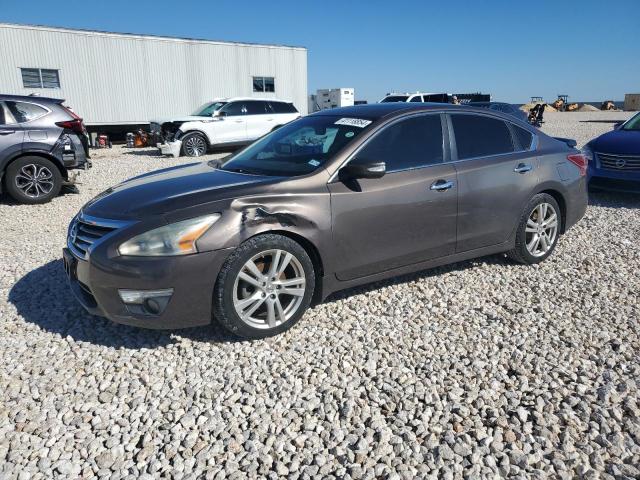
column 76, row 125
column 580, row 161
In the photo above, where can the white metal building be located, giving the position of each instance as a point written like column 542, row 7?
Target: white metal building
column 326, row 98
column 121, row 79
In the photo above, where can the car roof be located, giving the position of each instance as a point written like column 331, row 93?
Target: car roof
column 236, row 99
column 379, row 110
column 31, row 98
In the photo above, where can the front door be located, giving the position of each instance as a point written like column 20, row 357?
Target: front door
column 496, row 178
column 405, row 217
column 232, row 126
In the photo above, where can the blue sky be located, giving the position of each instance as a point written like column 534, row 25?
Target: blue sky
column 588, row 49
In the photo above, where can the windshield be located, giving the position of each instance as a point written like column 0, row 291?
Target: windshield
column 394, row 98
column 633, row 123
column 299, row 147
column 207, row 109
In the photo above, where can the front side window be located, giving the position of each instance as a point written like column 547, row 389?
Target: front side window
column 480, row 136
column 40, row 78
column 264, row 84
column 234, row 109
column 299, row 147
column 411, row 143
column 25, row 112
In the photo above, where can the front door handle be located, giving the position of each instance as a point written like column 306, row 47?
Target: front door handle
column 441, row 185
column 7, row 132
column 523, row 168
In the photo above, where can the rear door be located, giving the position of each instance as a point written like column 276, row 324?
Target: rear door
column 11, row 135
column 496, row 178
column 260, row 118
column 405, row 217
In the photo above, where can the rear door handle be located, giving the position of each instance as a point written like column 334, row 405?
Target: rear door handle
column 7, row 132
column 523, row 168
column 441, row 185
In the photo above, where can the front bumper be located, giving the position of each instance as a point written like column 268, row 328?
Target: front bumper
column 95, row 283
column 170, row 148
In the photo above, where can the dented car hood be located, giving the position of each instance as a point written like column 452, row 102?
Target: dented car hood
column 171, row 189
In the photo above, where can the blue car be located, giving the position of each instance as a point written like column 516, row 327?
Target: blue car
column 614, row 158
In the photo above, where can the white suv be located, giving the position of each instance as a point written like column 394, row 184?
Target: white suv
column 417, row 97
column 223, row 122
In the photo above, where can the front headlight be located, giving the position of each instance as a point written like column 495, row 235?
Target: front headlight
column 175, row 239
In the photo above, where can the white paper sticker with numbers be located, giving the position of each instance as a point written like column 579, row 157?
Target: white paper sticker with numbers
column 354, row 122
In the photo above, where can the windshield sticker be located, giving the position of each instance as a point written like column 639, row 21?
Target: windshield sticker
column 354, row 122
column 349, row 134
column 314, row 163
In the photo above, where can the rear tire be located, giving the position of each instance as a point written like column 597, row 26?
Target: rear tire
column 33, row 180
column 538, row 231
column 264, row 287
column 194, row 144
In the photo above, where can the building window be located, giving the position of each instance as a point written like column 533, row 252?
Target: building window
column 264, row 84
column 40, row 78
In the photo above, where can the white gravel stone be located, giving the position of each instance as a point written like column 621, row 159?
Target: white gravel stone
column 480, row 369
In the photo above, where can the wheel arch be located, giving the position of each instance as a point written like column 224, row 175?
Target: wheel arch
column 36, row 153
column 196, row 130
column 314, row 255
column 562, row 203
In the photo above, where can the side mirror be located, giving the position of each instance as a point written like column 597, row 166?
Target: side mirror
column 364, row 169
column 219, row 115
column 617, row 125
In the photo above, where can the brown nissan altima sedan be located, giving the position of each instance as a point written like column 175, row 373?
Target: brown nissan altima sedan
column 336, row 199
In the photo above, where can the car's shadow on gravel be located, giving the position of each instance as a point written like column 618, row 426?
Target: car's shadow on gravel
column 605, row 198
column 43, row 297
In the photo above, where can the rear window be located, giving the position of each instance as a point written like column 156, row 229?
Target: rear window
column 479, row 136
column 25, row 112
column 283, row 107
column 524, row 137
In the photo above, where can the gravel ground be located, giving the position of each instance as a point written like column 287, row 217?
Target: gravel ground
column 482, row 369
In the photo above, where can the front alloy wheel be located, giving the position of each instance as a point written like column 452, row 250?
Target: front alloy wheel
column 194, row 145
column 264, row 287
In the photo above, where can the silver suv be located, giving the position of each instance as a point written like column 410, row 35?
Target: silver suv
column 41, row 141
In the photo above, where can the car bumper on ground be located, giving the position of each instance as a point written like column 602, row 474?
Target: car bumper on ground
column 186, row 281
column 170, row 148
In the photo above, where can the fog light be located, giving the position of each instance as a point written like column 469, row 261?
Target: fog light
column 146, row 302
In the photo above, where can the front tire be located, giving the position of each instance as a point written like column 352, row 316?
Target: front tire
column 33, row 180
column 194, row 144
column 264, row 287
column 538, row 230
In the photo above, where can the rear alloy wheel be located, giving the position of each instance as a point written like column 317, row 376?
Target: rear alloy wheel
column 194, row 145
column 538, row 230
column 33, row 180
column 264, row 287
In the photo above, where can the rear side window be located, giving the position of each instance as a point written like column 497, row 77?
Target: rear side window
column 417, row 98
column 524, row 137
column 25, row 112
column 2, row 121
column 283, row 107
column 479, row 136
column 256, row 107
column 412, row 143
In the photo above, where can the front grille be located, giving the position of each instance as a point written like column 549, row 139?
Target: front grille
column 629, row 163
column 83, row 234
